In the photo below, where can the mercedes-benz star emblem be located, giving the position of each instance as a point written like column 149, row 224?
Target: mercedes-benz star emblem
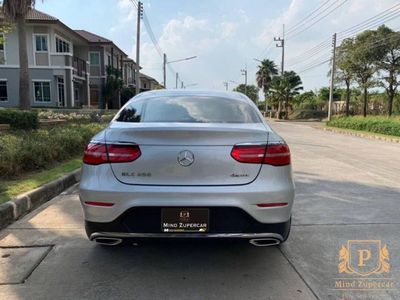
column 185, row 158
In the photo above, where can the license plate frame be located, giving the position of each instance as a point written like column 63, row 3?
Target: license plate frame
column 185, row 220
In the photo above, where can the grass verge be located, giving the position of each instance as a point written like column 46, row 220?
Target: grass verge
column 375, row 124
column 362, row 132
column 12, row 188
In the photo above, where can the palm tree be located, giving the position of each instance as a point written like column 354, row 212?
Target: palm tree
column 265, row 72
column 16, row 11
column 284, row 88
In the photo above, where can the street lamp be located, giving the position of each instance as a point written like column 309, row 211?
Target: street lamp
column 265, row 96
column 170, row 62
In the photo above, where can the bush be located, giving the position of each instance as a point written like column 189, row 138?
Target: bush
column 307, row 114
column 22, row 151
column 78, row 117
column 383, row 125
column 19, row 119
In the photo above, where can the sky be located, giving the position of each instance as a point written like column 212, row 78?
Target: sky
column 225, row 35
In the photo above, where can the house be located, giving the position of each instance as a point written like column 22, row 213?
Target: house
column 148, row 83
column 67, row 68
column 104, row 54
column 57, row 59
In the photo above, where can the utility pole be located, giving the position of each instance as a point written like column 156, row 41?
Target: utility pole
column 182, row 86
column 332, row 76
column 176, row 80
column 139, row 17
column 244, row 73
column 265, row 96
column 281, row 45
column 165, row 70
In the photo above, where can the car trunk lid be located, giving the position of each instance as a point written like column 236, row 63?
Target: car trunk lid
column 185, row 154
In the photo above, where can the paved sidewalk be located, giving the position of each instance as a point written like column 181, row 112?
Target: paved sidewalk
column 347, row 189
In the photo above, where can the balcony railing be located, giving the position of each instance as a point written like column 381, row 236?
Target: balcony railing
column 79, row 66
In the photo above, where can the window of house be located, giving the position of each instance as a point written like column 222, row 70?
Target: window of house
column 108, row 60
column 41, row 43
column 62, row 46
column 42, row 91
column 94, row 58
column 3, row 91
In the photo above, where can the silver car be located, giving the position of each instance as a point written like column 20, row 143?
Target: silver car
column 187, row 164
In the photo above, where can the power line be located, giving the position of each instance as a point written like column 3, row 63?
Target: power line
column 371, row 18
column 374, row 44
column 294, row 27
column 153, row 38
column 312, row 24
column 370, row 23
column 373, row 24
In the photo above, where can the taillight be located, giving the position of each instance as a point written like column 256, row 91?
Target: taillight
column 123, row 153
column 96, row 154
column 250, row 154
column 277, row 155
column 271, row 154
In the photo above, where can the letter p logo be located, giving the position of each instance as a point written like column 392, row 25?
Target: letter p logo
column 363, row 256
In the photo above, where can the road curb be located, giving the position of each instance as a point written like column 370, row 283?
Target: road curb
column 363, row 135
column 25, row 203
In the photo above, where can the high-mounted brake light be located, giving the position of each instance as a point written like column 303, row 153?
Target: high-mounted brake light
column 272, row 154
column 96, row 154
column 274, row 204
column 96, row 203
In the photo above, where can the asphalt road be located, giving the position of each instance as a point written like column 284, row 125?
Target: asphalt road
column 348, row 188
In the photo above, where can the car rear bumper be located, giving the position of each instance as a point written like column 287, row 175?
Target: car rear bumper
column 144, row 223
column 273, row 185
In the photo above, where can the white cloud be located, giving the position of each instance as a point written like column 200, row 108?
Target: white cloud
column 124, row 4
column 228, row 29
column 351, row 13
column 225, row 43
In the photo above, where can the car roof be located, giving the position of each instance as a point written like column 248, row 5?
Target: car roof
column 191, row 93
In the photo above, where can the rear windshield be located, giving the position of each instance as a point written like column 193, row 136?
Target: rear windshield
column 189, row 110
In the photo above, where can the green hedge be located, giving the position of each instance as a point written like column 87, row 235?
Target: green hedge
column 77, row 117
column 19, row 119
column 383, row 125
column 304, row 114
column 22, row 151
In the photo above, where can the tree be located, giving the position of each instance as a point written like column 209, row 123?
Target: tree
column 264, row 75
column 364, row 58
column 323, row 94
column 306, row 100
column 284, row 88
column 389, row 62
column 113, row 87
column 16, row 11
column 344, row 66
column 250, row 91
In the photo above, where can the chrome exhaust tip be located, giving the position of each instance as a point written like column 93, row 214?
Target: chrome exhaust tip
column 109, row 241
column 264, row 242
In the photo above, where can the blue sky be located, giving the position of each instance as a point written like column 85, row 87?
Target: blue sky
column 224, row 34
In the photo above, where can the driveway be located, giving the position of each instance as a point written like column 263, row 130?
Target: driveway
column 348, row 188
